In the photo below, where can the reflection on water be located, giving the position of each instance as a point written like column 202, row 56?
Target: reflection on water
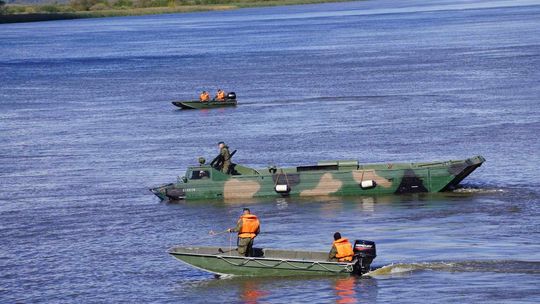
column 251, row 292
column 367, row 204
column 345, row 290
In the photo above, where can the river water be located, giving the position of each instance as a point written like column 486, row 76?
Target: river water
column 86, row 127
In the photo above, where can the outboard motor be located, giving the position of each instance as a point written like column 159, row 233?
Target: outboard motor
column 364, row 252
column 231, row 95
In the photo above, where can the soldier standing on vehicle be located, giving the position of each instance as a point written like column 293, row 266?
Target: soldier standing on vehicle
column 225, row 157
column 248, row 227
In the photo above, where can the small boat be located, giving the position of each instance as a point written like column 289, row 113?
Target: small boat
column 230, row 101
column 326, row 178
column 275, row 262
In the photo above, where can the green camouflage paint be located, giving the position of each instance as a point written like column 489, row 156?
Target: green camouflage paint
column 327, row 178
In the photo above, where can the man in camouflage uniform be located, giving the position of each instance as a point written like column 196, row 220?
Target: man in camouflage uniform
column 248, row 227
column 225, row 156
column 341, row 250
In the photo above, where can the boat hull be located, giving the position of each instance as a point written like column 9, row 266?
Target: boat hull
column 333, row 178
column 267, row 263
column 195, row 104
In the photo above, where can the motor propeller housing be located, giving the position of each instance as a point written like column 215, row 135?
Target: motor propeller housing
column 364, row 252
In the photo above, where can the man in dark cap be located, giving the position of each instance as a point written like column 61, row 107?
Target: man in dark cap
column 204, row 97
column 248, row 227
column 220, row 96
column 341, row 249
column 225, row 156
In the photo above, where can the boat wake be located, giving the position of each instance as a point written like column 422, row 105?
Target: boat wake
column 478, row 190
column 468, row 188
column 497, row 266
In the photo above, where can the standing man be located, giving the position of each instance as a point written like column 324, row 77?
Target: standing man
column 248, row 227
column 225, row 156
column 341, row 251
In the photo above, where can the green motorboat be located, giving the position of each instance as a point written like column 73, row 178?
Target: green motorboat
column 326, row 178
column 273, row 262
column 229, row 101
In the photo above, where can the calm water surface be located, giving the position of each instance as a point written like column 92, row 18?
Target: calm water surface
column 86, row 127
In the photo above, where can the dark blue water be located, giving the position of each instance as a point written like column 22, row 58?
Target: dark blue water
column 86, row 127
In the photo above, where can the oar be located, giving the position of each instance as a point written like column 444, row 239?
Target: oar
column 212, row 233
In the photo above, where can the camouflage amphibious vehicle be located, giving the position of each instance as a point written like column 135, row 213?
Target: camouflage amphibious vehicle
column 326, row 178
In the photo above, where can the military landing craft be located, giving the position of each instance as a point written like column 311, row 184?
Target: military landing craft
column 326, row 178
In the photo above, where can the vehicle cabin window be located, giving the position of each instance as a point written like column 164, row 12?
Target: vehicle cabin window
column 199, row 174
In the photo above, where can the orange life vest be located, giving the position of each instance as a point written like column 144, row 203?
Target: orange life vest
column 204, row 97
column 250, row 226
column 220, row 95
column 344, row 250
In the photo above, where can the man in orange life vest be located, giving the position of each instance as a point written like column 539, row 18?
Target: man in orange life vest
column 204, row 97
column 248, row 227
column 341, row 249
column 220, row 96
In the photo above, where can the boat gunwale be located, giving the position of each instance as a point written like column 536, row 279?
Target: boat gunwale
column 360, row 167
column 205, row 102
column 265, row 259
column 344, row 269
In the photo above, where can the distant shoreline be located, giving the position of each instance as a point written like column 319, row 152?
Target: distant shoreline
column 60, row 15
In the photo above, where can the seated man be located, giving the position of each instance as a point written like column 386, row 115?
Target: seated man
column 220, row 96
column 341, row 251
column 204, row 97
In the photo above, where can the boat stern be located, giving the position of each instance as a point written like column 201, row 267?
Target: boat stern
column 460, row 170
